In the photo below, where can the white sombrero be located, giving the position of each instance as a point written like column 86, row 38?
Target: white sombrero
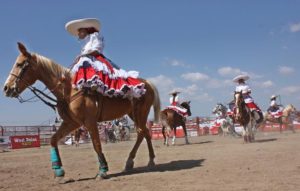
column 241, row 77
column 174, row 92
column 73, row 26
column 273, row 96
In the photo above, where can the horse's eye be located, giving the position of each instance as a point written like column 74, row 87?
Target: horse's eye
column 20, row 65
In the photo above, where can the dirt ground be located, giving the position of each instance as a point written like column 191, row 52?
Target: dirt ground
column 208, row 163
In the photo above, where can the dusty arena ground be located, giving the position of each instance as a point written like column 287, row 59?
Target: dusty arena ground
column 208, row 163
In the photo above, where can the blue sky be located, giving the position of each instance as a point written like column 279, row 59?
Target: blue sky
column 193, row 46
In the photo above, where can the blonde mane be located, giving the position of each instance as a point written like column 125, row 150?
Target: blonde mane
column 48, row 65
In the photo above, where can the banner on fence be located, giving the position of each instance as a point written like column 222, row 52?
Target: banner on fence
column 25, row 141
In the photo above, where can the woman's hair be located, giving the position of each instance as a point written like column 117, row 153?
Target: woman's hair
column 241, row 81
column 91, row 30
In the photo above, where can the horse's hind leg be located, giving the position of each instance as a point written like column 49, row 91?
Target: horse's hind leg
column 130, row 162
column 93, row 130
column 174, row 136
column 140, row 120
column 64, row 130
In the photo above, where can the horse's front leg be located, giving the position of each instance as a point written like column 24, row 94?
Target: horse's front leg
column 163, row 131
column 64, row 130
column 185, row 133
column 245, row 134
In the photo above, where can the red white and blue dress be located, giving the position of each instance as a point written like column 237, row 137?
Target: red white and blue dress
column 97, row 72
column 174, row 101
column 247, row 97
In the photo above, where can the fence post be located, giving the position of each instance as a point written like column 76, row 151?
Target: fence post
column 2, row 130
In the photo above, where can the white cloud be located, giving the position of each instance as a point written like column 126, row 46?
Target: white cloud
column 229, row 71
column 267, row 84
column 175, row 63
column 190, row 90
column 290, row 90
column 295, row 27
column 162, row 83
column 285, row 70
column 194, row 77
column 204, row 97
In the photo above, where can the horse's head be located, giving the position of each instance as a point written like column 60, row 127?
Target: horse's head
column 22, row 73
column 289, row 109
column 239, row 102
column 219, row 108
column 187, row 106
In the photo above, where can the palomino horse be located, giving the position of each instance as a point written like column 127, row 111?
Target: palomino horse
column 170, row 120
column 82, row 107
column 285, row 119
column 244, row 117
column 226, row 122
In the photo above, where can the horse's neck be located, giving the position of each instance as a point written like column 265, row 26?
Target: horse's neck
column 286, row 111
column 52, row 75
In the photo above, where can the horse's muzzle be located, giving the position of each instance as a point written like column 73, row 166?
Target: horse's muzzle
column 10, row 92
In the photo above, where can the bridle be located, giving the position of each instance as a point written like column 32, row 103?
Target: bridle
column 38, row 93
column 19, row 76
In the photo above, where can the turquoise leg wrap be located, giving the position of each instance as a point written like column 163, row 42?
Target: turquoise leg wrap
column 103, row 167
column 55, row 159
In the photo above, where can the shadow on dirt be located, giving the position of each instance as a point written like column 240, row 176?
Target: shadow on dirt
column 265, row 140
column 171, row 166
column 200, row 143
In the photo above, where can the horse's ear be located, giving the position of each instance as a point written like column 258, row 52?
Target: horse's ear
column 23, row 49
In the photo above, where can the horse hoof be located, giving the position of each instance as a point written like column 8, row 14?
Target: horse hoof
column 129, row 165
column 103, row 175
column 59, row 172
column 151, row 164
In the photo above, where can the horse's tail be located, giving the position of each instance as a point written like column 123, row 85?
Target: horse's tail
column 156, row 102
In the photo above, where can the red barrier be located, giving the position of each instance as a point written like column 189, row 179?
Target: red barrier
column 26, row 141
column 192, row 130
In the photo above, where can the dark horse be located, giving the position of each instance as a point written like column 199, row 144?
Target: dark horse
column 170, row 120
column 82, row 107
column 244, row 117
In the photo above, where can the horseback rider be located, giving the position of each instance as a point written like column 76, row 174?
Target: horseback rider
column 175, row 104
column 275, row 110
column 246, row 91
column 92, row 70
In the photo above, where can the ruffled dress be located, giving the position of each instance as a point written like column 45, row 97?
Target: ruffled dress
column 98, row 73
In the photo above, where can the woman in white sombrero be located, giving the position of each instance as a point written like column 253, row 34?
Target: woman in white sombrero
column 275, row 110
column 93, row 70
column 246, row 91
column 175, row 103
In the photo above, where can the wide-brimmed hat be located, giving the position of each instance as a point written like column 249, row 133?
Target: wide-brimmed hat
column 73, row 26
column 241, row 77
column 273, row 96
column 174, row 92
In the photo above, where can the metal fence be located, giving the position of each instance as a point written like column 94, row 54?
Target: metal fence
column 45, row 132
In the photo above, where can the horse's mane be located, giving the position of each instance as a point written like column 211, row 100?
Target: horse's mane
column 49, row 65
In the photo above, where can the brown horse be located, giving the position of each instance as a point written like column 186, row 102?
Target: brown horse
column 285, row 119
column 82, row 107
column 77, row 135
column 244, row 117
column 170, row 120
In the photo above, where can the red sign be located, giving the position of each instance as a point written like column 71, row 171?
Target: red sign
column 25, row 141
